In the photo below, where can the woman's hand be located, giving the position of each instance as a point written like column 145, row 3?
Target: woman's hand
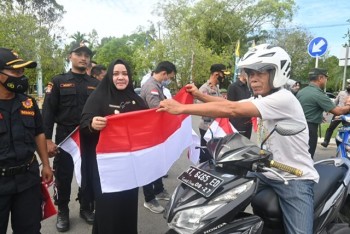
column 98, row 123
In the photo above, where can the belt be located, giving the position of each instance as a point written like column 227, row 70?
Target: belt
column 21, row 169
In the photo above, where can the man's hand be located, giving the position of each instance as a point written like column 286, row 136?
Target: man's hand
column 46, row 174
column 98, row 123
column 171, row 106
column 52, row 149
column 191, row 88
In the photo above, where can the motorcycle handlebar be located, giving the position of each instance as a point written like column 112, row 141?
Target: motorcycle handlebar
column 286, row 168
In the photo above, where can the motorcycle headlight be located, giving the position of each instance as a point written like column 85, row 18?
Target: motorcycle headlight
column 189, row 220
column 233, row 193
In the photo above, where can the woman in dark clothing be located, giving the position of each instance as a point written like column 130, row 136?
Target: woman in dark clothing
column 116, row 212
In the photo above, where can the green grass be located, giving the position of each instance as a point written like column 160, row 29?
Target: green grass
column 324, row 127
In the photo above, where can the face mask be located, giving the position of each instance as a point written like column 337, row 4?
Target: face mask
column 348, row 89
column 220, row 79
column 16, row 84
column 165, row 83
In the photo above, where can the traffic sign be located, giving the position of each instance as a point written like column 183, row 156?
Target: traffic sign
column 317, row 47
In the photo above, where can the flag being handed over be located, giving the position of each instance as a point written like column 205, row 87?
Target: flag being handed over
column 220, row 127
column 136, row 148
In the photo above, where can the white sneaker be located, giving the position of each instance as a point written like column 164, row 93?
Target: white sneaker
column 154, row 206
column 163, row 196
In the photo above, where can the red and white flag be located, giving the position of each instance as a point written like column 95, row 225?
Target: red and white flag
column 136, row 148
column 72, row 145
column 194, row 150
column 220, row 127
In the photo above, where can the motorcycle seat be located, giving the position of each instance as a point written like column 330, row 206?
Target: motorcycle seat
column 265, row 203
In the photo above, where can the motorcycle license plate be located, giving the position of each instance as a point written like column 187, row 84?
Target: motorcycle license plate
column 201, row 181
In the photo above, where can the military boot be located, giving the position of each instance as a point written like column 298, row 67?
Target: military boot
column 87, row 212
column 62, row 224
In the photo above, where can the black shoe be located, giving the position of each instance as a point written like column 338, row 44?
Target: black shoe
column 62, row 223
column 88, row 216
column 324, row 144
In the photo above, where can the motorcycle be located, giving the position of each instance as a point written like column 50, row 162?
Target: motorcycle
column 213, row 197
column 343, row 136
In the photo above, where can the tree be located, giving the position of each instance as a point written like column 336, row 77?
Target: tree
column 218, row 26
column 290, row 40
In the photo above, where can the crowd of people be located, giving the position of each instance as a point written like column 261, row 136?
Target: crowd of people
column 89, row 92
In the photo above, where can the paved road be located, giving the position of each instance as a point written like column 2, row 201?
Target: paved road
column 149, row 223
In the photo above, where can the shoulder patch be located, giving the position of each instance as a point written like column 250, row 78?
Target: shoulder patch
column 1, row 117
column 49, row 87
column 27, row 103
column 67, row 85
column 154, row 92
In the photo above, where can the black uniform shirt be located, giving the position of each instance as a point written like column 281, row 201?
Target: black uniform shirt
column 20, row 123
column 238, row 91
column 64, row 101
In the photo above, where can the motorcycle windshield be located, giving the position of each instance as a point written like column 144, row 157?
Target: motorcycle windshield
column 236, row 146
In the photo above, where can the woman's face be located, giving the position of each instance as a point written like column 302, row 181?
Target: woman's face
column 120, row 76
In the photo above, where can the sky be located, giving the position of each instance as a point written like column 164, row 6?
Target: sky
column 323, row 18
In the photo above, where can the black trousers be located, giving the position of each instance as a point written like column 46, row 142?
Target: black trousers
column 313, row 127
column 152, row 189
column 333, row 125
column 204, row 154
column 25, row 209
column 63, row 170
column 116, row 213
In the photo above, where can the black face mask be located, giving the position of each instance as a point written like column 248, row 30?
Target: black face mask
column 348, row 89
column 16, row 84
column 220, row 79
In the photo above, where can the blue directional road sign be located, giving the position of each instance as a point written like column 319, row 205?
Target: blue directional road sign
column 317, row 47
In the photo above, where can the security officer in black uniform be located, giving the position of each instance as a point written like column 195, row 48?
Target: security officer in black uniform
column 65, row 97
column 21, row 133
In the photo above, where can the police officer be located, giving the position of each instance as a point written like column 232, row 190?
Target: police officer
column 21, row 133
column 65, row 97
column 152, row 94
column 211, row 87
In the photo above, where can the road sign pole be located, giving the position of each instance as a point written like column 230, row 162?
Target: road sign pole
column 316, row 63
column 345, row 65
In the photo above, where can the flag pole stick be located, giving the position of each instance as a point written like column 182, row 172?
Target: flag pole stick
column 69, row 135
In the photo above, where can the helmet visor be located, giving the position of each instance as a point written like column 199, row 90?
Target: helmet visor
column 260, row 67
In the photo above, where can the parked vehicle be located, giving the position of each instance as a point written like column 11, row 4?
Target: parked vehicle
column 213, row 197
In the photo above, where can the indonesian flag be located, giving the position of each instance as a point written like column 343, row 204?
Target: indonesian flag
column 194, row 150
column 136, row 148
column 220, row 127
column 72, row 145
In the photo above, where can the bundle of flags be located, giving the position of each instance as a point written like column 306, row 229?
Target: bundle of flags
column 220, row 127
column 139, row 147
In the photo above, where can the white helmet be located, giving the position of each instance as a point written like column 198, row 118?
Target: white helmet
column 266, row 57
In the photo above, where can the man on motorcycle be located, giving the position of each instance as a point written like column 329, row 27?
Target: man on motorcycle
column 268, row 69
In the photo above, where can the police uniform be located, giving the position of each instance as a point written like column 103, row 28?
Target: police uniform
column 212, row 90
column 64, row 101
column 20, row 194
column 152, row 93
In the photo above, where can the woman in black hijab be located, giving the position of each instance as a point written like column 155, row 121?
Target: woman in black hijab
column 115, row 212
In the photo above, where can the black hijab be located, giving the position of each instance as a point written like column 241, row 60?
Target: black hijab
column 102, row 102
column 106, row 98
